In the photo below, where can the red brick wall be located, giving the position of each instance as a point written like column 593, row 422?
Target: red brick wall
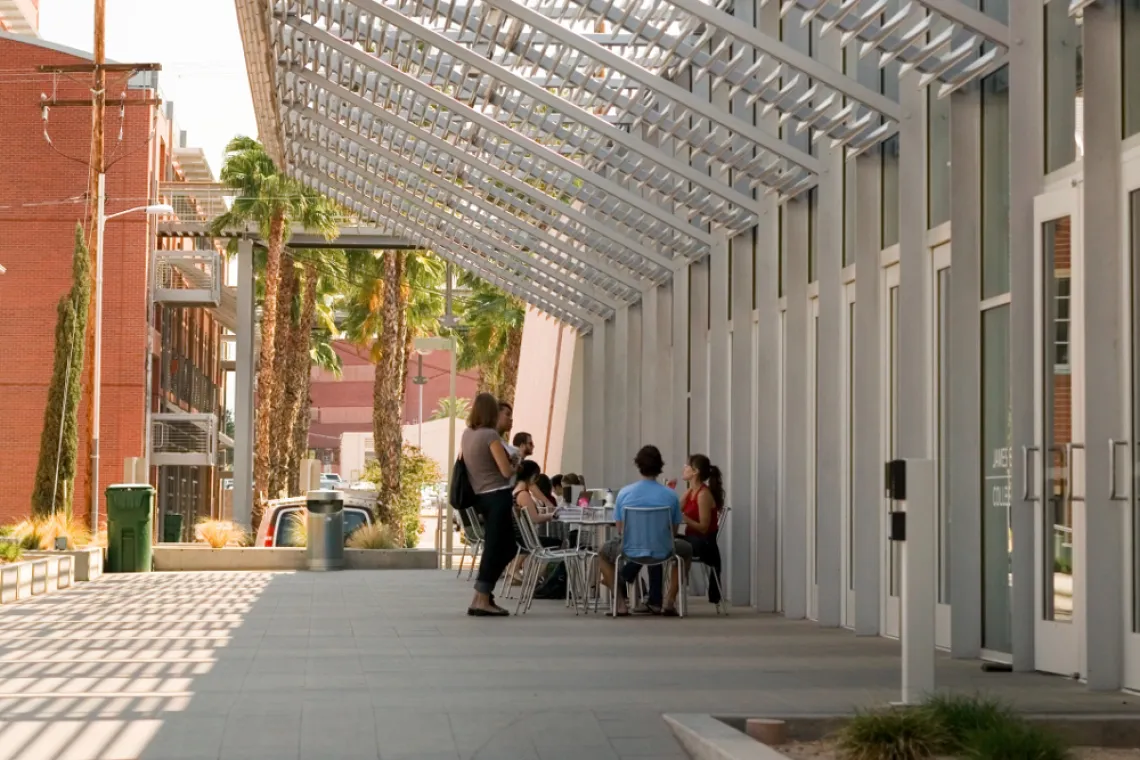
column 36, row 249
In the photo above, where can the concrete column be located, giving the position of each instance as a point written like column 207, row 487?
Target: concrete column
column 1100, row 589
column 965, row 400
column 867, row 457
column 1026, row 164
column 679, row 443
column 245, row 371
column 593, row 437
column 633, row 438
column 829, row 397
column 650, row 414
column 573, row 442
column 613, row 426
column 796, row 419
column 698, row 359
column 742, row 464
column 718, row 362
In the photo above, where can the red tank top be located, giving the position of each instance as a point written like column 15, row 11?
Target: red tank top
column 692, row 510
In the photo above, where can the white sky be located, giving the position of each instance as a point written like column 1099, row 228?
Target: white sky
column 198, row 45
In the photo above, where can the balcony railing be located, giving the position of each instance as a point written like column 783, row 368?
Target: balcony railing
column 188, row 384
column 188, row 278
column 188, row 440
column 196, row 201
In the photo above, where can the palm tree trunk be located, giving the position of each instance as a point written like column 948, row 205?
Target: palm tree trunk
column 281, row 424
column 266, row 381
column 510, row 377
column 300, row 376
column 386, row 410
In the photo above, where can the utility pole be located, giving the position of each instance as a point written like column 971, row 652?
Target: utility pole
column 97, row 195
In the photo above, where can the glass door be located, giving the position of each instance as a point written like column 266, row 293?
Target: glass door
column 1130, row 487
column 847, row 573
column 1059, row 428
column 889, row 383
column 813, row 460
column 941, row 397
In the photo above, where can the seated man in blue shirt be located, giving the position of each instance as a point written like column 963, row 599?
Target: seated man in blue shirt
column 652, row 541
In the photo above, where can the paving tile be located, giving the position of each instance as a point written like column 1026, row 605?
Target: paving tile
column 645, row 745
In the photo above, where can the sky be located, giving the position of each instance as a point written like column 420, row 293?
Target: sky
column 196, row 41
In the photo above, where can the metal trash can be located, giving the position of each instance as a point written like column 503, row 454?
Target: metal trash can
column 325, row 547
column 129, row 513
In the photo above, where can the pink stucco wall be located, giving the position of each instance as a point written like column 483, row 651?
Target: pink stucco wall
column 543, row 391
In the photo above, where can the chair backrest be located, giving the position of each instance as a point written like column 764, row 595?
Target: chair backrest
column 654, row 518
column 472, row 525
column 528, row 532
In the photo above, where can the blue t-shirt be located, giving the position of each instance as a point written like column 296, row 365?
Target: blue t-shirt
column 649, row 537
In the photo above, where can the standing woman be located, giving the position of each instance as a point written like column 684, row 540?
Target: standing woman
column 699, row 509
column 489, row 469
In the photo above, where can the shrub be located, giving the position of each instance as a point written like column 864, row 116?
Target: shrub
column 416, row 471
column 40, row 533
column 298, row 529
column 219, row 533
column 1014, row 740
column 894, row 734
column 10, row 552
column 374, row 536
column 960, row 716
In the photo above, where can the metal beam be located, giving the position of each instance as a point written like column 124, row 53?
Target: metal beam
column 478, row 164
column 581, row 286
column 541, row 152
column 486, row 244
column 700, row 109
column 970, row 18
column 471, row 198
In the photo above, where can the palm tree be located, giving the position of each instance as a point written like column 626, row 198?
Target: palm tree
column 445, row 409
column 396, row 298
column 273, row 202
column 492, row 340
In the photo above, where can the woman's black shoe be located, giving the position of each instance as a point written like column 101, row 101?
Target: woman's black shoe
column 478, row 612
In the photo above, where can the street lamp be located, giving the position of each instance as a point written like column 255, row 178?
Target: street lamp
column 97, row 360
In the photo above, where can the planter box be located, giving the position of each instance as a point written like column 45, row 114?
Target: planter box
column 35, row 576
column 197, row 557
column 60, row 570
column 87, row 562
column 390, row 559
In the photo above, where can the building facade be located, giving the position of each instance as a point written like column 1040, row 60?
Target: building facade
column 964, row 293
column 153, row 352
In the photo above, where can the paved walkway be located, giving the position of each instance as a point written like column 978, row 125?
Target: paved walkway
column 385, row 665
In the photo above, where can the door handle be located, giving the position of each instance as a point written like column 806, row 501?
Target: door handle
column 1026, row 481
column 1113, row 493
column 1069, row 449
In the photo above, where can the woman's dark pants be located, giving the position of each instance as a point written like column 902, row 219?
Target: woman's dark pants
column 499, row 547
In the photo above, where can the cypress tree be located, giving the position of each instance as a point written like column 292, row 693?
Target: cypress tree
column 59, row 453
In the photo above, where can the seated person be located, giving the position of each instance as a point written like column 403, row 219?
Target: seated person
column 703, row 499
column 648, row 543
column 544, row 493
column 524, row 499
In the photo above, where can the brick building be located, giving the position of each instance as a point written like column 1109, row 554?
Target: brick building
column 43, row 182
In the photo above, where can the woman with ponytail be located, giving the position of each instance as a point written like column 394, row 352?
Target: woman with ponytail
column 700, row 506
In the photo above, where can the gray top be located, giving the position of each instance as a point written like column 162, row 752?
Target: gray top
column 481, row 467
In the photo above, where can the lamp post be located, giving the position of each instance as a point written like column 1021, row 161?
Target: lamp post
column 97, row 359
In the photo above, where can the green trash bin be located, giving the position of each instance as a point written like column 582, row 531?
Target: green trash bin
column 172, row 528
column 129, row 511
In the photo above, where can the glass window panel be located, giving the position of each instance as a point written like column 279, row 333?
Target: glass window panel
column 998, row 9
column 1058, row 488
column 997, row 535
column 850, row 196
column 1063, row 98
column 943, row 435
column 1130, row 50
column 815, row 445
column 813, row 238
column 889, row 151
column 780, row 251
column 995, row 184
column 937, row 158
column 1134, row 242
column 896, row 546
column 851, row 446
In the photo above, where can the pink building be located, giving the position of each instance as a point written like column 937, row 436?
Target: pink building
column 345, row 405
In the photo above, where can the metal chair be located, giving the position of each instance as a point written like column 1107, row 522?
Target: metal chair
column 539, row 556
column 711, row 575
column 473, row 536
column 662, row 520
